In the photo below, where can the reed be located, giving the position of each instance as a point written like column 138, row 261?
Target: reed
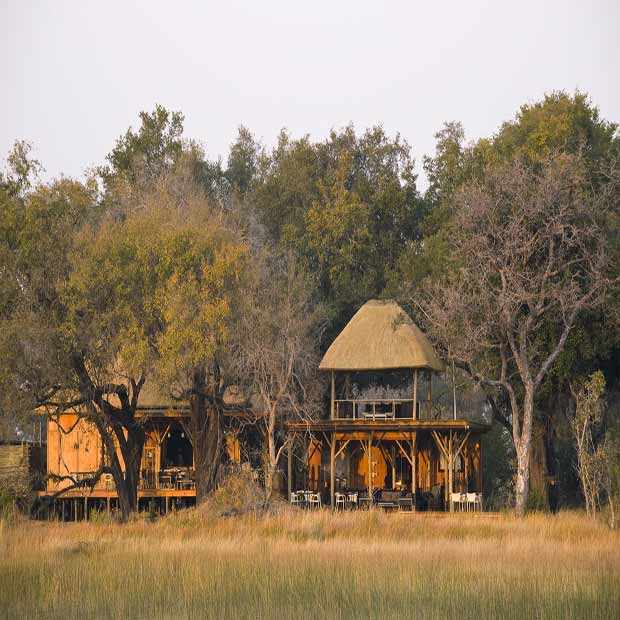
column 312, row 565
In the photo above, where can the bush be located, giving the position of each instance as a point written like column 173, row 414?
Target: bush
column 7, row 506
column 536, row 502
column 238, row 494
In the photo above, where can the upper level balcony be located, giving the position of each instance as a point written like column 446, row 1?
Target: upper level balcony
column 389, row 409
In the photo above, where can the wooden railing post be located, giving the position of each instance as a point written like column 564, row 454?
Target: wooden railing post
column 429, row 394
column 414, row 413
column 333, row 394
column 332, row 465
column 289, row 466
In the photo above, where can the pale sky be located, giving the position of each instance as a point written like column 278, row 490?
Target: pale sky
column 74, row 75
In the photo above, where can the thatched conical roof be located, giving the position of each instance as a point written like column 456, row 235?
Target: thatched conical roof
column 380, row 336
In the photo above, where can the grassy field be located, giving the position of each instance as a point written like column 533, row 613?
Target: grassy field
column 312, row 565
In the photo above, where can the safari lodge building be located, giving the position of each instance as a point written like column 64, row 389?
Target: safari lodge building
column 410, row 450
column 392, row 437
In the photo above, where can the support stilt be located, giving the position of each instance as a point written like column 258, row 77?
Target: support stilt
column 332, row 466
column 290, row 469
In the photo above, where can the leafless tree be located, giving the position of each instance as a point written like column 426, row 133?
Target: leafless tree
column 584, row 424
column 529, row 256
column 276, row 350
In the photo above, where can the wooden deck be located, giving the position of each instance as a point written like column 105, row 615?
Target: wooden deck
column 104, row 493
column 397, row 425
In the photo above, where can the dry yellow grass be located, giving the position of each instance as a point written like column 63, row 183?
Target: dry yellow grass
column 313, row 565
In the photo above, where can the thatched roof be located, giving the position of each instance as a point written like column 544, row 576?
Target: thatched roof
column 380, row 336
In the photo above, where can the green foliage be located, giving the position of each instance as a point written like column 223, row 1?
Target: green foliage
column 242, row 165
column 536, row 502
column 498, row 461
column 22, row 170
column 7, row 506
column 560, row 122
column 149, row 152
column 338, row 237
column 347, row 207
column 37, row 240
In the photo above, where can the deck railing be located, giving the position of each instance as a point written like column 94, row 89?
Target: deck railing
column 388, row 409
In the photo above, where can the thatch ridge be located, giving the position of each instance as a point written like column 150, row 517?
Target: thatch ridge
column 381, row 336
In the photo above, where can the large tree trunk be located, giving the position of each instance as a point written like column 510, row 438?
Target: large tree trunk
column 556, row 410
column 522, row 485
column 272, row 464
column 127, row 477
column 523, row 444
column 539, row 479
column 207, row 434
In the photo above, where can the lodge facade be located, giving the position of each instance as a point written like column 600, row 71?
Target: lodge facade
column 392, row 435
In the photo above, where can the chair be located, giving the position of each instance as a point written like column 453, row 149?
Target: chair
column 406, row 501
column 314, row 501
column 340, row 501
column 165, row 481
column 297, row 499
column 457, row 500
column 471, row 501
column 352, row 499
column 478, row 502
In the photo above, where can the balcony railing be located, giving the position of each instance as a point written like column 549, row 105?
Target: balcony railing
column 388, row 409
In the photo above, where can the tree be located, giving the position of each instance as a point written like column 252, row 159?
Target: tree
column 586, row 421
column 559, row 123
column 22, row 170
column 358, row 192
column 201, row 264
column 528, row 250
column 60, row 338
column 243, row 161
column 147, row 153
column 338, row 236
column 276, row 349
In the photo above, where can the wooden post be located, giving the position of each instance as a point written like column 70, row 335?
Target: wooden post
column 453, row 390
column 429, row 392
column 332, row 466
column 393, row 466
column 290, row 470
column 414, row 473
column 347, row 385
column 465, row 459
column 370, row 468
column 333, row 395
column 450, row 471
column 85, row 507
column 415, row 394
column 108, row 504
column 479, row 466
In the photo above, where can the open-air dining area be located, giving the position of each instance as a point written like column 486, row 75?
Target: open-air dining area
column 388, row 500
column 182, row 479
